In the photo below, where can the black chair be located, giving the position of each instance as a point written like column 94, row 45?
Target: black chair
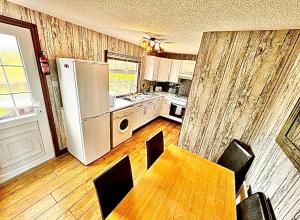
column 255, row 207
column 155, row 147
column 237, row 157
column 113, row 185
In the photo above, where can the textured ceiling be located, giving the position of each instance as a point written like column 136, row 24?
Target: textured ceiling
column 180, row 22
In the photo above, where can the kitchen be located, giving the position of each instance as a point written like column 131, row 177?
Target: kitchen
column 125, row 111
column 151, row 104
column 169, row 78
column 168, row 100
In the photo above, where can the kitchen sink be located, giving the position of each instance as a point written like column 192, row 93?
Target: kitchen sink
column 139, row 97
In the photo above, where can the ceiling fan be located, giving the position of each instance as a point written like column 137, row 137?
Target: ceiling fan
column 159, row 37
column 153, row 42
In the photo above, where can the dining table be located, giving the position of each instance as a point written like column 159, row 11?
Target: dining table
column 180, row 185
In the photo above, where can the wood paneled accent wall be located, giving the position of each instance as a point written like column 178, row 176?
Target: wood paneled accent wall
column 179, row 56
column 245, row 86
column 64, row 39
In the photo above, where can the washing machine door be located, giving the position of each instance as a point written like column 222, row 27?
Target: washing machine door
column 124, row 125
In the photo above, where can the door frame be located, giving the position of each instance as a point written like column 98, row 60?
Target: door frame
column 37, row 48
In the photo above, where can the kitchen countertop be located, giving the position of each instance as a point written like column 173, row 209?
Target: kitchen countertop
column 121, row 103
column 181, row 100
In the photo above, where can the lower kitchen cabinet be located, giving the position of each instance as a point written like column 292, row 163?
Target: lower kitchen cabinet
column 145, row 112
column 165, row 108
column 149, row 111
column 157, row 107
column 138, row 116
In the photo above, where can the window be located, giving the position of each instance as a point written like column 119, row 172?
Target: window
column 15, row 95
column 123, row 76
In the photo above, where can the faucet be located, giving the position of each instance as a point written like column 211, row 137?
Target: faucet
column 130, row 90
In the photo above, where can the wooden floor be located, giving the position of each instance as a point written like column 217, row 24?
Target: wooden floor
column 62, row 188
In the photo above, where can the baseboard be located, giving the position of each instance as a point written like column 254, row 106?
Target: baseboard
column 61, row 152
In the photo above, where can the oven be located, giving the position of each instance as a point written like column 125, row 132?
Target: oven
column 177, row 110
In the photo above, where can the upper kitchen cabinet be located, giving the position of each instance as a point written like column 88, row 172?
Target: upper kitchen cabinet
column 168, row 70
column 152, row 68
column 164, row 69
column 175, row 70
column 187, row 69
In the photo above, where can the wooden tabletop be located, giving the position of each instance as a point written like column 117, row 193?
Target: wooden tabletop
column 180, row 185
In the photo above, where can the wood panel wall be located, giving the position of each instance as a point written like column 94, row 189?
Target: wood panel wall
column 64, row 39
column 244, row 87
column 60, row 38
column 179, row 56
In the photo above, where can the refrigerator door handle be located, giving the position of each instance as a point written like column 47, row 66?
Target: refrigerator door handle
column 86, row 119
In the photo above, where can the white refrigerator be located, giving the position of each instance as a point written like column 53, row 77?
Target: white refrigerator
column 84, row 89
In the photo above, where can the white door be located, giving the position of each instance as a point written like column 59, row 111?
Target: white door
column 164, row 69
column 165, row 108
column 138, row 116
column 25, row 138
column 156, row 63
column 175, row 71
column 151, row 68
column 157, row 107
column 149, row 111
column 96, row 136
column 187, row 66
column 92, row 82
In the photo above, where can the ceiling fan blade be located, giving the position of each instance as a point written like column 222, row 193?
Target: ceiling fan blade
column 155, row 35
column 167, row 42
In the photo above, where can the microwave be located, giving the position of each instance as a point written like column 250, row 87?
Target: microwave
column 177, row 110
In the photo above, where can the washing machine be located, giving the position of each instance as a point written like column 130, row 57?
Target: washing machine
column 121, row 125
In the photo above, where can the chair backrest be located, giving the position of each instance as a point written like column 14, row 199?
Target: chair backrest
column 237, row 157
column 255, row 207
column 113, row 185
column 155, row 147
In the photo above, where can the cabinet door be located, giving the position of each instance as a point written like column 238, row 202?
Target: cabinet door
column 149, row 64
column 164, row 69
column 151, row 68
column 138, row 118
column 187, row 66
column 173, row 77
column 149, row 110
column 165, row 108
column 156, row 64
column 157, row 107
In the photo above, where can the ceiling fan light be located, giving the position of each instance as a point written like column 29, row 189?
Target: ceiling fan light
column 152, row 43
column 144, row 43
column 157, row 46
column 149, row 49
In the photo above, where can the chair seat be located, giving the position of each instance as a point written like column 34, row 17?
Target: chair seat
column 255, row 207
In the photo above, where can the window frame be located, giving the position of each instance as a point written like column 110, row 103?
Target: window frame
column 126, row 58
column 11, row 93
